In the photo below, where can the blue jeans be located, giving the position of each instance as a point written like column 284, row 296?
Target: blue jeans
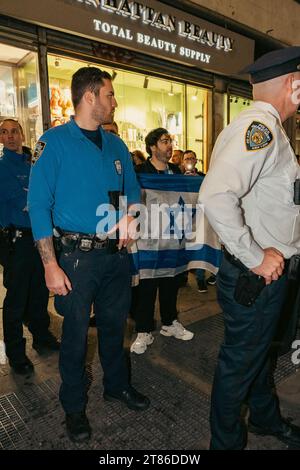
column 104, row 280
column 243, row 368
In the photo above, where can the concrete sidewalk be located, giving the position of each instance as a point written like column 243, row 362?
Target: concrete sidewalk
column 176, row 375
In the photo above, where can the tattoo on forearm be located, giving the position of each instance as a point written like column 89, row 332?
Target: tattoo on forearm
column 46, row 250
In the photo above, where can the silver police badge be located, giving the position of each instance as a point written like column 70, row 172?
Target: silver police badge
column 118, row 166
column 39, row 148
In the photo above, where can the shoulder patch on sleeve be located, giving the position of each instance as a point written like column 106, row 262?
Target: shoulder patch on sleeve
column 258, row 136
column 39, row 148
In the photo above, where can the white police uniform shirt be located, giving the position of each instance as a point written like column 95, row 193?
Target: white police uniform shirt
column 248, row 191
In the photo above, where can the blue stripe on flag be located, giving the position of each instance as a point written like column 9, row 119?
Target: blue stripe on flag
column 169, row 262
column 179, row 183
column 150, row 259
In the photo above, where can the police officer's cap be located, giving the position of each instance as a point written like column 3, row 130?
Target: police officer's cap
column 274, row 64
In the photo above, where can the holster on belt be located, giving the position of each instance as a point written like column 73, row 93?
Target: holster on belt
column 248, row 288
column 64, row 242
column 249, row 285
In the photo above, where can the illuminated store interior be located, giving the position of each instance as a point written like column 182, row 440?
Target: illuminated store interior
column 144, row 103
column 20, row 91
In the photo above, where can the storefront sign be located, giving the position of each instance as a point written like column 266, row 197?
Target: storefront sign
column 146, row 26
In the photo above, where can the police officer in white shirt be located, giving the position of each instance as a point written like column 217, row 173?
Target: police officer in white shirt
column 248, row 197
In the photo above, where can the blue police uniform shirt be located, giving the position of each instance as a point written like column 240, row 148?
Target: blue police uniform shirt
column 14, row 179
column 72, row 177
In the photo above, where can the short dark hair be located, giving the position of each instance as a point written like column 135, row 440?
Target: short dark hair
column 153, row 137
column 189, row 151
column 87, row 79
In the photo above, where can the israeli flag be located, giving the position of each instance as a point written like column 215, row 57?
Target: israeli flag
column 175, row 235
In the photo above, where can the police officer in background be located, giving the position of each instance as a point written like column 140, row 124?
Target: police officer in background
column 27, row 294
column 79, row 167
column 248, row 197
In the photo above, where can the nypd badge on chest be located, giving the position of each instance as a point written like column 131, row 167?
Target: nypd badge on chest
column 118, row 166
column 258, row 136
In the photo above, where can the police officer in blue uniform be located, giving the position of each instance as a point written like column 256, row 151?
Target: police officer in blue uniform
column 80, row 171
column 250, row 199
column 27, row 294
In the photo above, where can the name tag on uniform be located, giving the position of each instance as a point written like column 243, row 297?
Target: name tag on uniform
column 118, row 166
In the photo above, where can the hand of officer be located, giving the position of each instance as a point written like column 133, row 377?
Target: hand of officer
column 56, row 279
column 272, row 266
column 126, row 231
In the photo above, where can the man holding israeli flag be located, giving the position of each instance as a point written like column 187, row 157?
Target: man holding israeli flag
column 174, row 237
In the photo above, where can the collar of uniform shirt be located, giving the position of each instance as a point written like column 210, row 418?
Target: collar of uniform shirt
column 267, row 107
column 76, row 131
column 94, row 136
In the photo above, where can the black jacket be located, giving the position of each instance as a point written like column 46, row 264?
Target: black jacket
column 147, row 167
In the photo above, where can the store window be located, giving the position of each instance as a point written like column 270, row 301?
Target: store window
column 197, row 112
column 144, row 103
column 20, row 91
column 237, row 104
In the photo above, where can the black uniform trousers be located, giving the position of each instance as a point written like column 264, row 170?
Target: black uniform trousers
column 243, row 372
column 4, row 249
column 104, row 280
column 144, row 304
column 26, row 297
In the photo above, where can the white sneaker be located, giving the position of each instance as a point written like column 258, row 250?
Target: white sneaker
column 141, row 342
column 177, row 330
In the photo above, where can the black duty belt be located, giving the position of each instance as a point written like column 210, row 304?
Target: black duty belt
column 249, row 285
column 84, row 242
column 236, row 262
column 233, row 260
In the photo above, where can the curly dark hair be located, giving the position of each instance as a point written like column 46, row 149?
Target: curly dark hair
column 153, row 137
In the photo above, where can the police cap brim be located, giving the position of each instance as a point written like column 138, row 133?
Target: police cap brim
column 274, row 64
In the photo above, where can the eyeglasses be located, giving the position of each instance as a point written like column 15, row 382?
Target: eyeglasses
column 166, row 141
